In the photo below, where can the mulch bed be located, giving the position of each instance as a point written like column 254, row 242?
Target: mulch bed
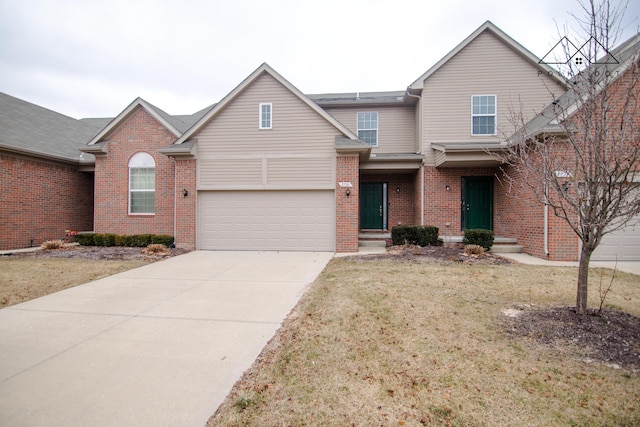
column 99, row 253
column 443, row 254
column 611, row 337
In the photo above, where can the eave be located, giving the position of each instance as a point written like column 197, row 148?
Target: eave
column 185, row 151
column 398, row 162
column 467, row 155
column 349, row 146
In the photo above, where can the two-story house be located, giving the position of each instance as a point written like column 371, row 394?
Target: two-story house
column 271, row 168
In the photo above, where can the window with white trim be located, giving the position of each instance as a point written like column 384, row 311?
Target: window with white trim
column 368, row 127
column 483, row 115
column 266, row 117
column 142, row 184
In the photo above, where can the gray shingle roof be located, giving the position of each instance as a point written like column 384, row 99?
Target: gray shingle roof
column 30, row 129
column 546, row 121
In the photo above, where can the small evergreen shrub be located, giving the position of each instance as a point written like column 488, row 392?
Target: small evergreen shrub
column 136, row 240
column 162, row 239
column 106, row 239
column 84, row 239
column 141, row 240
column 415, row 235
column 478, row 237
column 124, row 240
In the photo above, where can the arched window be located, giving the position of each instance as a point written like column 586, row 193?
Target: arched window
column 142, row 184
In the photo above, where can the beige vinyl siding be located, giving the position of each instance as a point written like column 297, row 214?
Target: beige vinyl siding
column 486, row 66
column 297, row 152
column 396, row 126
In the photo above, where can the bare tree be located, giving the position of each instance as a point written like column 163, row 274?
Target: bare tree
column 581, row 156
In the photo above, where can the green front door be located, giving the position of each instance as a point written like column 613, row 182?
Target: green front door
column 371, row 214
column 477, row 202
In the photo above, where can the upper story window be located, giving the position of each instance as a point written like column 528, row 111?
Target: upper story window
column 483, row 115
column 266, row 116
column 368, row 127
column 142, row 184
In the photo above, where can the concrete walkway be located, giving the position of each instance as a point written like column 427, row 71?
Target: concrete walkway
column 632, row 267
column 159, row 345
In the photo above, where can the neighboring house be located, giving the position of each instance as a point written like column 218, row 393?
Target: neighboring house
column 270, row 168
column 47, row 184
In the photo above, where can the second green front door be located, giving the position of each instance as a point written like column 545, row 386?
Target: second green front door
column 371, row 206
column 477, row 202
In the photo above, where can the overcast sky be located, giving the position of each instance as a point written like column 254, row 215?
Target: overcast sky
column 91, row 58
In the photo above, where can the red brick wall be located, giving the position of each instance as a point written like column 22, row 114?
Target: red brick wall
column 39, row 201
column 442, row 206
column 520, row 215
column 401, row 208
column 186, row 206
column 140, row 132
column 347, row 207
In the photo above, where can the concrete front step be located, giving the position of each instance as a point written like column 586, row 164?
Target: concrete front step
column 507, row 249
column 372, row 243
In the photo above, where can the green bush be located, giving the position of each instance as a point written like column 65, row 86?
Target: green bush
column 106, row 239
column 478, row 237
column 414, row 235
column 162, row 239
column 137, row 240
column 84, row 239
column 141, row 240
column 123, row 240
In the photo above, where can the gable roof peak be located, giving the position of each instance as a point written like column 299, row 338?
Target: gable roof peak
column 502, row 36
column 172, row 124
column 263, row 68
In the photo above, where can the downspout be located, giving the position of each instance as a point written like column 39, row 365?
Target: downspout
column 175, row 202
column 546, row 218
column 419, row 98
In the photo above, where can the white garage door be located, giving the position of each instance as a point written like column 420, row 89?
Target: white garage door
column 266, row 220
column 621, row 245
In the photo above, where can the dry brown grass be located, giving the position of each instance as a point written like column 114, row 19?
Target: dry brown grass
column 25, row 278
column 388, row 343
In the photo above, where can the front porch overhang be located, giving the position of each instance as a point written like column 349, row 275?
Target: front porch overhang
column 399, row 163
column 454, row 155
column 349, row 146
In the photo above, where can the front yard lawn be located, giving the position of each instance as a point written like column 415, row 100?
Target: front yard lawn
column 408, row 342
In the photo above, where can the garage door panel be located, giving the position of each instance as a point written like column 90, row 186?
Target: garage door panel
column 266, row 220
column 622, row 244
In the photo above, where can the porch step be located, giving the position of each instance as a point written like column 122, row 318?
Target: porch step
column 373, row 239
column 506, row 245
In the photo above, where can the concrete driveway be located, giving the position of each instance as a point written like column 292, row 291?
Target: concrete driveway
column 159, row 345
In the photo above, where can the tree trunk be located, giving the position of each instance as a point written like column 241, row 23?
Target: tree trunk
column 583, row 277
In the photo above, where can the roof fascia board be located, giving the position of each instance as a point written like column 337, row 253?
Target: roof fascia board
column 246, row 83
column 126, row 113
column 488, row 25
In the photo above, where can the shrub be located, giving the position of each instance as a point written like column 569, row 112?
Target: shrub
column 479, row 237
column 52, row 244
column 162, row 239
column 123, row 240
column 106, row 239
column 473, row 250
column 141, row 240
column 155, row 249
column 414, row 235
column 84, row 239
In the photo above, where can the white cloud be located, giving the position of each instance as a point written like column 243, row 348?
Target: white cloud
column 86, row 58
